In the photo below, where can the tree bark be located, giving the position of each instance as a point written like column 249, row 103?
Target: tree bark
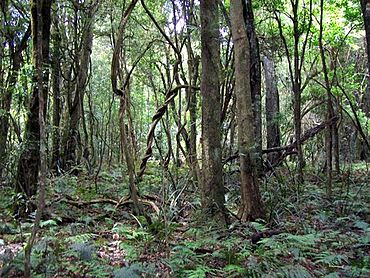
column 330, row 110
column 365, row 6
column 123, row 93
column 297, row 92
column 193, row 76
column 71, row 139
column 41, row 82
column 213, row 197
column 255, row 78
column 29, row 162
column 56, row 83
column 272, row 109
column 251, row 203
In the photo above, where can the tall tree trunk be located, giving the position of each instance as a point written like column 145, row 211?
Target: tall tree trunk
column 255, row 78
column 213, row 197
column 330, row 110
column 116, row 75
column 365, row 6
column 72, row 139
column 29, row 161
column 193, row 75
column 272, row 109
column 297, row 92
column 251, row 203
column 38, row 61
column 56, row 83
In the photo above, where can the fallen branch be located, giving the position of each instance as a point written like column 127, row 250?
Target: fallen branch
column 291, row 148
column 82, row 203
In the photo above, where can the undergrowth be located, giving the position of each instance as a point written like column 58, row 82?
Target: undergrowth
column 304, row 235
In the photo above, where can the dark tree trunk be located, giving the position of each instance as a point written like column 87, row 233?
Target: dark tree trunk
column 38, row 62
column 56, row 83
column 213, row 198
column 255, row 79
column 297, row 92
column 329, row 106
column 29, row 161
column 272, row 109
column 365, row 6
column 72, row 140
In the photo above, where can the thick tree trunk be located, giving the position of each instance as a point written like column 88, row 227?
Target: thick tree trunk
column 251, row 203
column 29, row 162
column 213, row 198
column 255, row 77
column 272, row 109
column 38, row 61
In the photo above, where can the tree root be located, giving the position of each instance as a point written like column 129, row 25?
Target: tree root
column 120, row 203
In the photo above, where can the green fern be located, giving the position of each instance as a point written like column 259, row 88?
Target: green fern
column 331, row 259
column 200, row 272
column 81, row 238
column 295, row 271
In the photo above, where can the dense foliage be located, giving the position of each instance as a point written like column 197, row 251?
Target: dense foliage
column 116, row 116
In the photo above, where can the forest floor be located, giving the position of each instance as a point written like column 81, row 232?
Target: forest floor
column 87, row 232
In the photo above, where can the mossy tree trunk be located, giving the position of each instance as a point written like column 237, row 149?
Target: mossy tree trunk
column 29, row 162
column 213, row 198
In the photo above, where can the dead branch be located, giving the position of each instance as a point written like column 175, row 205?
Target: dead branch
column 291, row 148
column 124, row 202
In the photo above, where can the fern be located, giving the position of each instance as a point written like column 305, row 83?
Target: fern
column 132, row 234
column 295, row 271
column 200, row 272
column 81, row 238
column 331, row 259
column 238, row 271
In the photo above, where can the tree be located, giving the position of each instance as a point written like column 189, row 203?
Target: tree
column 56, row 90
column 16, row 48
column 251, row 203
column 82, row 62
column 40, row 11
column 123, row 93
column 213, row 198
column 272, row 109
column 329, row 106
column 29, row 161
column 295, row 64
column 365, row 6
column 255, row 78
